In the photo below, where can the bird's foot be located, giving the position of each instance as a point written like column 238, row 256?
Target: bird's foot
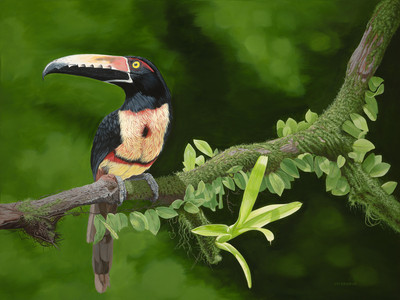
column 151, row 182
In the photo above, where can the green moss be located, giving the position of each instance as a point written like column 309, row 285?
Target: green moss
column 37, row 222
column 208, row 251
column 168, row 185
column 33, row 212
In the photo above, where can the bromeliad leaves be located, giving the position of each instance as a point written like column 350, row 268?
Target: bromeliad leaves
column 248, row 219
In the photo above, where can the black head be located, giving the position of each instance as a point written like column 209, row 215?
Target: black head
column 136, row 75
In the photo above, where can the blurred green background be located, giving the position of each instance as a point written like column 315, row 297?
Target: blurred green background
column 234, row 68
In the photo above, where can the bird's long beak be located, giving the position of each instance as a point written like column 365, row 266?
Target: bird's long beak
column 101, row 67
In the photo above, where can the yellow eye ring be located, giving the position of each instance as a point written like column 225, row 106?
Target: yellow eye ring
column 136, row 64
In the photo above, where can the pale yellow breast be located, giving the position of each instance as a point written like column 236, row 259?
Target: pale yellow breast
column 134, row 145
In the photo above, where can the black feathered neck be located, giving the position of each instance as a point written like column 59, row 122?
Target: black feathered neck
column 147, row 91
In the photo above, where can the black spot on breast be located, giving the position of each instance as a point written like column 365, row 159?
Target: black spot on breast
column 145, row 131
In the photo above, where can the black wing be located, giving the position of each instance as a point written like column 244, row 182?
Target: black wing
column 107, row 138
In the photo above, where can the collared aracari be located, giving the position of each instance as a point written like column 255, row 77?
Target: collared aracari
column 128, row 140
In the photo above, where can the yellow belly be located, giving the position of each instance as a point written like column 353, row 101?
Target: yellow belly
column 123, row 170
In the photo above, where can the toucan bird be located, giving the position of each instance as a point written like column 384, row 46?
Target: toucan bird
column 128, row 140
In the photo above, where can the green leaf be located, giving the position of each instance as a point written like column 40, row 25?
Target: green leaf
column 209, row 190
column 189, row 193
column 270, row 213
column 369, row 94
column 166, row 212
column 200, row 188
column 216, row 151
column 176, row 204
column 267, row 233
column 267, row 182
column 112, row 221
column 211, row 230
column 279, row 127
column 200, row 160
column 234, row 169
column 277, row 183
column 191, row 208
column 263, row 185
column 223, row 238
column 204, row 147
column 359, row 121
column 340, row 161
column 117, row 221
column 333, row 176
column 389, row 187
column 374, row 83
column 371, row 102
column 286, row 179
column 189, row 158
column 286, row 131
column 110, row 229
column 303, row 126
column 252, row 189
column 351, row 129
column 380, row 90
column 198, row 201
column 211, row 198
column 358, row 157
column 292, row 125
column 317, row 169
column 245, row 176
column 217, row 186
column 378, row 159
column 342, row 187
column 153, row 221
column 139, row 221
column 370, row 112
column 311, row 117
column 229, row 183
column 122, row 220
column 280, row 124
column 379, row 170
column 289, row 166
column 363, row 146
column 302, row 165
column 369, row 163
column 240, row 181
column 228, row 247
column 309, row 160
column 100, row 228
column 334, row 170
column 324, row 164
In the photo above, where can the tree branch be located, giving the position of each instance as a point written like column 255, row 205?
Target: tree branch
column 325, row 138
column 38, row 218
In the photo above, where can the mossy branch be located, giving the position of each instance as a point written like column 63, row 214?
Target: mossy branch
column 325, row 137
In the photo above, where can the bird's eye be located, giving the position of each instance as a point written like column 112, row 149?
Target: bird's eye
column 136, row 64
